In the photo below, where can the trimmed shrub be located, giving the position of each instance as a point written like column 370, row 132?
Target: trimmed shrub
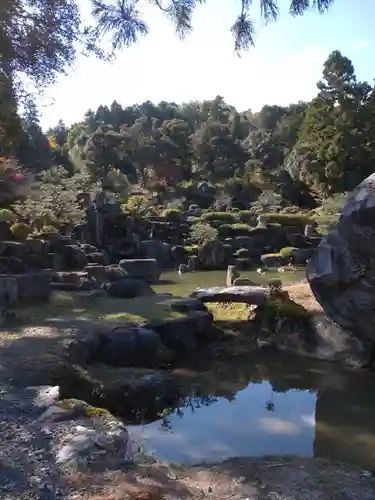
column 227, row 230
column 191, row 250
column 173, row 214
column 203, row 232
column 288, row 219
column 49, row 230
column 287, row 253
column 136, row 204
column 223, row 217
column 7, row 215
column 20, row 231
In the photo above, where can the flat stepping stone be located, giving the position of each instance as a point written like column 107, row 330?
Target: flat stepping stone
column 255, row 295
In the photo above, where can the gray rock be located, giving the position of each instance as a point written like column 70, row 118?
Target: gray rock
column 193, row 263
column 270, row 260
column 315, row 337
column 8, row 291
column 158, row 250
column 243, row 282
column 73, row 257
column 144, row 269
column 186, row 305
column 255, row 295
column 179, row 254
column 84, row 437
column 33, row 286
column 96, row 258
column 114, row 273
column 128, row 392
column 131, row 346
column 181, row 334
column 301, row 255
column 183, row 269
column 342, row 270
column 212, row 255
column 232, row 275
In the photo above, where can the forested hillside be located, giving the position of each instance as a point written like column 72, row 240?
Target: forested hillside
column 296, row 156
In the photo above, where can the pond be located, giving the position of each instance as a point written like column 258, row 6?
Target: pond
column 182, row 285
column 273, row 405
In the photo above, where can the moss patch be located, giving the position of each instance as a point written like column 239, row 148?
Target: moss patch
column 231, row 311
column 89, row 411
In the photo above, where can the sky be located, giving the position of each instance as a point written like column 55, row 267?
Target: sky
column 283, row 67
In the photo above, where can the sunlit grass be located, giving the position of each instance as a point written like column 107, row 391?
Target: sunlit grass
column 231, row 311
column 71, row 306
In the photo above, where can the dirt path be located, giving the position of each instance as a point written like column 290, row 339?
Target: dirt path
column 236, row 479
column 301, row 294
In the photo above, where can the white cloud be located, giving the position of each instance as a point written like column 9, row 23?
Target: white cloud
column 361, row 44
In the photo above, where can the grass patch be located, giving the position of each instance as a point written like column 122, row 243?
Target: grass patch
column 70, row 306
column 222, row 217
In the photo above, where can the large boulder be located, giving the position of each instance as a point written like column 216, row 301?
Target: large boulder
column 181, row 335
column 127, row 345
column 33, row 286
column 73, row 257
column 272, row 260
column 132, row 346
column 316, row 336
column 15, row 249
column 8, row 296
column 212, row 255
column 341, row 271
column 158, row 250
column 138, row 393
column 83, row 437
column 143, row 269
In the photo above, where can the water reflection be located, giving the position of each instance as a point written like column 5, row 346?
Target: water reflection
column 272, row 406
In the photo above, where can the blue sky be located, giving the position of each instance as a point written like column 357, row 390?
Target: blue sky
column 283, row 67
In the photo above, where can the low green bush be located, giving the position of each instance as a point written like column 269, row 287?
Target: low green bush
column 173, row 214
column 223, row 217
column 7, row 215
column 20, row 231
column 227, row 230
column 49, row 230
column 287, row 253
column 199, row 233
column 288, row 219
column 191, row 249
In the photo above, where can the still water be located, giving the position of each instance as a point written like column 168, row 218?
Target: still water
column 273, row 405
column 173, row 283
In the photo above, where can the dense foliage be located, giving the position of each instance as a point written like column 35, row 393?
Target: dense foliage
column 286, row 159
